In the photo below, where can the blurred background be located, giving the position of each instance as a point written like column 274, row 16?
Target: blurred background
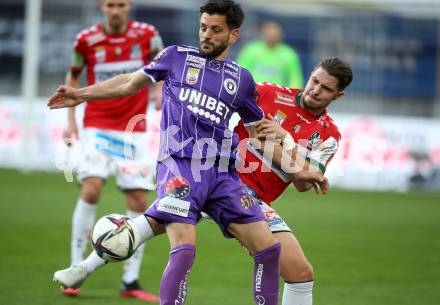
column 389, row 118
column 373, row 240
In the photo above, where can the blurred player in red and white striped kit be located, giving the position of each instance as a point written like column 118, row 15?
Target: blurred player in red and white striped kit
column 118, row 45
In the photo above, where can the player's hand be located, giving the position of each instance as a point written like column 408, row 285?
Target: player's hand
column 63, row 97
column 70, row 133
column 270, row 128
column 317, row 180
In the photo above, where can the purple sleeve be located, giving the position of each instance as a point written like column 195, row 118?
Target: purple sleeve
column 250, row 112
column 159, row 68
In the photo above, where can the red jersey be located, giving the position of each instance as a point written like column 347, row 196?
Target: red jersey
column 109, row 55
column 317, row 139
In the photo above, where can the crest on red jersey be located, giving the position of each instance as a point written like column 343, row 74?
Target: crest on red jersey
column 135, row 52
column 314, row 140
column 280, row 117
column 100, row 54
column 118, row 51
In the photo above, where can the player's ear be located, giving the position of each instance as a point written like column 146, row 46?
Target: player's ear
column 102, row 4
column 339, row 94
column 234, row 36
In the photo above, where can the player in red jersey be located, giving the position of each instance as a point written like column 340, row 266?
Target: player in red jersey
column 114, row 133
column 300, row 120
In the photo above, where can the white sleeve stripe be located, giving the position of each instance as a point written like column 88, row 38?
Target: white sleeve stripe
column 151, row 77
column 250, row 123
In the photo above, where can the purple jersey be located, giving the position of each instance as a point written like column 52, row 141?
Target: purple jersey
column 199, row 97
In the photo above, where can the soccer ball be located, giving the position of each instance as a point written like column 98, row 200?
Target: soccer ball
column 114, row 238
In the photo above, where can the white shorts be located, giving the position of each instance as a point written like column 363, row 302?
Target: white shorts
column 124, row 154
column 274, row 220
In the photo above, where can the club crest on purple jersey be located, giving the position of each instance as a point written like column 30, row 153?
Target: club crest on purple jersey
column 192, row 76
column 177, row 187
column 230, row 86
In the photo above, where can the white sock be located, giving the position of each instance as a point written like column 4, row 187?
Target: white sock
column 132, row 265
column 82, row 223
column 298, row 293
column 143, row 227
column 93, row 262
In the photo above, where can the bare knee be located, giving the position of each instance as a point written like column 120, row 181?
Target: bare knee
column 181, row 233
column 91, row 190
column 295, row 272
column 136, row 200
column 305, row 273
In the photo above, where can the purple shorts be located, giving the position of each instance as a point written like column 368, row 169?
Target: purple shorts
column 183, row 195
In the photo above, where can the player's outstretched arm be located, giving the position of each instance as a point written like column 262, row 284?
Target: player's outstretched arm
column 118, row 86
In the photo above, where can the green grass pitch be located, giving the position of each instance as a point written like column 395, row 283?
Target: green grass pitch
column 367, row 248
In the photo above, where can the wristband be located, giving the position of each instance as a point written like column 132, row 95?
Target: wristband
column 289, row 143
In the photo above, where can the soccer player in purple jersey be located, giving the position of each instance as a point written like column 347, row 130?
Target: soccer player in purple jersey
column 202, row 88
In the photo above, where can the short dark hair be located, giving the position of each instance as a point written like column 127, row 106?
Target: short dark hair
column 229, row 8
column 337, row 68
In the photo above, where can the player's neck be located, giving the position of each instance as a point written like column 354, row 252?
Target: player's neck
column 315, row 112
column 271, row 45
column 109, row 30
column 221, row 57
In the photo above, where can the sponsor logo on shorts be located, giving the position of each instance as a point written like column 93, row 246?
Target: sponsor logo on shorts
column 273, row 218
column 274, row 222
column 177, row 187
column 174, row 206
column 247, row 201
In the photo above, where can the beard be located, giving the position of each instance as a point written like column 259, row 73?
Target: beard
column 215, row 51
